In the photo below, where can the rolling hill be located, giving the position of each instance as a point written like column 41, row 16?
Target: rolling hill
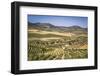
column 51, row 27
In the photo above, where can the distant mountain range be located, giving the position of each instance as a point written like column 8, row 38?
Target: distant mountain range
column 47, row 25
column 51, row 26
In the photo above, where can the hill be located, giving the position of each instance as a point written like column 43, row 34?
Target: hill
column 51, row 27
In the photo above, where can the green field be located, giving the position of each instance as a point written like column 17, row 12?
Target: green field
column 56, row 44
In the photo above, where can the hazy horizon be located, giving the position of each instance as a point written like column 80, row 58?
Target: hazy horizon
column 66, row 21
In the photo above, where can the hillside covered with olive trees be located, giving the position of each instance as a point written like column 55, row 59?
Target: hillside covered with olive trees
column 49, row 42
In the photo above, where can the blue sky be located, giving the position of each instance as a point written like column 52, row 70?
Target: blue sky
column 59, row 20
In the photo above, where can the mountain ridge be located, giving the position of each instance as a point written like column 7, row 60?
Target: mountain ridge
column 49, row 26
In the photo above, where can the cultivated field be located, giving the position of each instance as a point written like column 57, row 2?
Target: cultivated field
column 56, row 44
